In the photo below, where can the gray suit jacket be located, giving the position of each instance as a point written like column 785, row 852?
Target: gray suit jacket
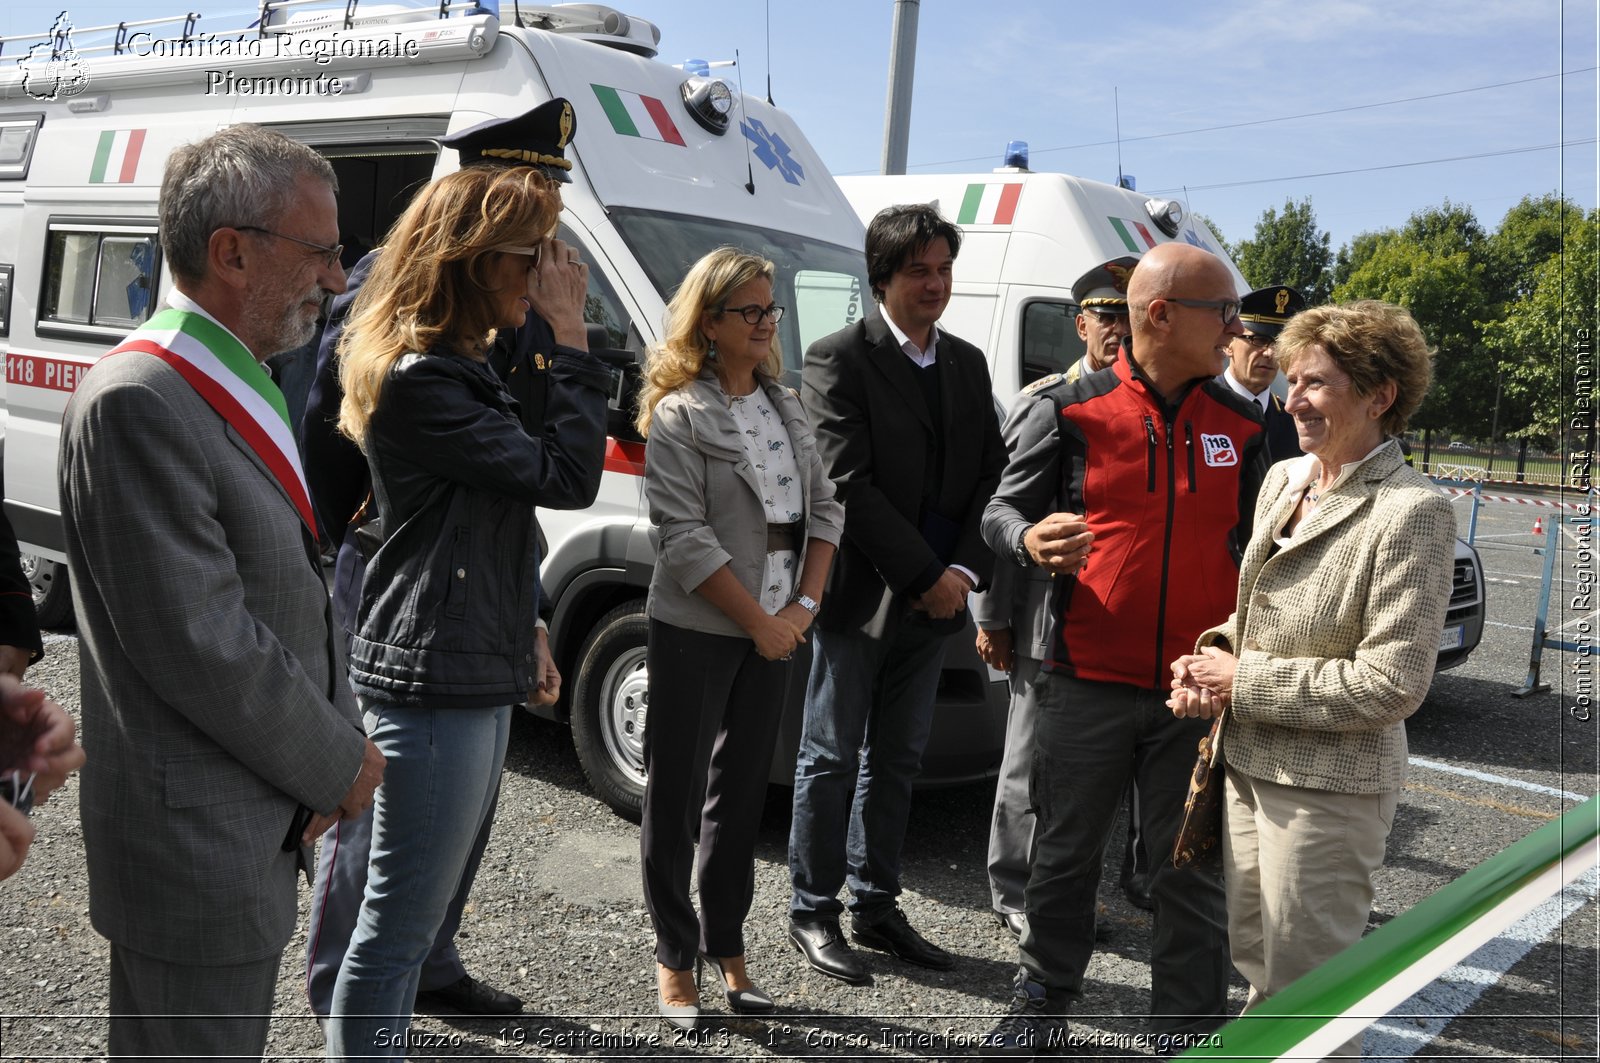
column 214, row 695
column 1337, row 632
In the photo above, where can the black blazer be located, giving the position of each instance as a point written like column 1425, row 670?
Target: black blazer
column 875, row 434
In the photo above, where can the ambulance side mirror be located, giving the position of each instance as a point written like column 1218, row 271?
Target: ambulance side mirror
column 626, row 379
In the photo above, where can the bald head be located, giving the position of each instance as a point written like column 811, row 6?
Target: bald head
column 1176, row 343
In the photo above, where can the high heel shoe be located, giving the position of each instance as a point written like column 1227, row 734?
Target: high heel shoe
column 752, row 1001
column 685, row 1017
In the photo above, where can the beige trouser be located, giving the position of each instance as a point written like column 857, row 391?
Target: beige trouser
column 1298, row 864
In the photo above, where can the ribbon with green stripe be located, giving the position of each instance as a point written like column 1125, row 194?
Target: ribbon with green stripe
column 1320, row 1011
column 228, row 350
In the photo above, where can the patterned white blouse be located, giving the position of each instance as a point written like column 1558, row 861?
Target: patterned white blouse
column 771, row 453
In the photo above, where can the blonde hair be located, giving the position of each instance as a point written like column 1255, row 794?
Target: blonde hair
column 680, row 359
column 429, row 286
column 1372, row 342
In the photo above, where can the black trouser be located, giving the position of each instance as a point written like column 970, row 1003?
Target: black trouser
column 715, row 706
column 1091, row 739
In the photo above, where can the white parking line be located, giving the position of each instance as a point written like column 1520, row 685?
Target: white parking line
column 1499, row 780
column 1424, row 1016
column 1513, row 627
column 1508, row 582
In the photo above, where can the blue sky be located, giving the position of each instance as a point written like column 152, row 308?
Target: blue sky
column 1046, row 71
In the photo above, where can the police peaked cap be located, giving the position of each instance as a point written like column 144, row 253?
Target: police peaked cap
column 1266, row 310
column 537, row 138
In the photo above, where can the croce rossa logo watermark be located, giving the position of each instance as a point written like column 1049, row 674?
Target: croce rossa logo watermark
column 53, row 69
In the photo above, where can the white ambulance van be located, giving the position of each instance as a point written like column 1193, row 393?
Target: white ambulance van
column 1026, row 237
column 667, row 166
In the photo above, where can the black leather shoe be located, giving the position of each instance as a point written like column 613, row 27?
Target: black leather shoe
column 894, row 934
column 823, row 946
column 1136, row 888
column 1016, row 922
column 468, row 996
column 1029, row 1028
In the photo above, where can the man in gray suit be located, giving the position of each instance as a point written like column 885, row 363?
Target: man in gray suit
column 224, row 737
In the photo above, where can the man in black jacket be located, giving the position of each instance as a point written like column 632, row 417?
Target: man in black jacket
column 906, row 426
column 1253, row 363
column 20, row 641
column 337, row 475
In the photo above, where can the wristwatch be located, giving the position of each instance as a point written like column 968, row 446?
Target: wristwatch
column 808, row 603
column 1019, row 550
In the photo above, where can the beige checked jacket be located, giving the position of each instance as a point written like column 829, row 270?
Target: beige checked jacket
column 1337, row 632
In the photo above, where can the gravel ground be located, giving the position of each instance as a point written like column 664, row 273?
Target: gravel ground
column 557, row 918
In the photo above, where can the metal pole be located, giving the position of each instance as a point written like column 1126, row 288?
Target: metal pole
column 902, row 67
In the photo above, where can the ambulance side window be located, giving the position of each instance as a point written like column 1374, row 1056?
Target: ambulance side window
column 5, row 300
column 601, row 305
column 97, row 278
column 1050, row 342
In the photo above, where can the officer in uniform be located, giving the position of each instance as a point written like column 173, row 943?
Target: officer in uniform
column 1102, row 298
column 1253, row 364
column 336, row 472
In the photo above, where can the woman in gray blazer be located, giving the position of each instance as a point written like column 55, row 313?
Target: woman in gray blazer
column 1342, row 596
column 747, row 528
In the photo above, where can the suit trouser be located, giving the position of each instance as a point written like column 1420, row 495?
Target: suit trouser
column 1011, row 828
column 168, row 1010
column 1090, row 740
column 715, row 707
column 869, row 710
column 336, row 901
column 1299, row 864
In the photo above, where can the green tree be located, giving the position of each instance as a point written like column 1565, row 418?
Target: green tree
column 1444, row 291
column 1529, row 235
column 1353, row 256
column 1288, row 249
column 1534, row 340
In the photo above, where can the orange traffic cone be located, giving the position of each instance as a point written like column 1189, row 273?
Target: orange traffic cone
column 1538, row 525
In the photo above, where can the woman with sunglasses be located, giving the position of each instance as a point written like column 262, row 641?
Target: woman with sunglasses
column 445, row 627
column 748, row 526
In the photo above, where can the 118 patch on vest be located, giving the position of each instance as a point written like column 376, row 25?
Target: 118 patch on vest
column 1219, row 450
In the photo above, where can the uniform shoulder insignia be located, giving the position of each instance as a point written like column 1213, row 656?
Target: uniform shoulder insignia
column 1042, row 383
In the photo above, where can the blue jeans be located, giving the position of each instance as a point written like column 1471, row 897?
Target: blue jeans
column 439, row 784
column 869, row 708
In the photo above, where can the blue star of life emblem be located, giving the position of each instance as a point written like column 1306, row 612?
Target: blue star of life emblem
column 771, row 150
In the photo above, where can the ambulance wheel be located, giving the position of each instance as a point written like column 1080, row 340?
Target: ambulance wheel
column 609, row 707
column 52, row 592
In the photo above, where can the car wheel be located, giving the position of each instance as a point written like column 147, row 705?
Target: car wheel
column 610, row 704
column 52, row 591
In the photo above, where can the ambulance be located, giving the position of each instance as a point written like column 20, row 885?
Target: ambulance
column 1025, row 238
column 669, row 163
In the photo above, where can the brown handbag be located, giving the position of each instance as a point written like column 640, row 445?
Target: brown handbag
column 1198, row 845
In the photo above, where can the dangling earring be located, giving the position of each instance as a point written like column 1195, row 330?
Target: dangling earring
column 711, row 350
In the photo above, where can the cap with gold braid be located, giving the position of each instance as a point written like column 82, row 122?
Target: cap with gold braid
column 537, row 138
column 1266, row 310
column 1105, row 287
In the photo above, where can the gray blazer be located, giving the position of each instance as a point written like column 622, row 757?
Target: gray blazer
column 706, row 503
column 214, row 693
column 1337, row 632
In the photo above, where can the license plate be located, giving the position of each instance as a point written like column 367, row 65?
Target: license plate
column 1453, row 638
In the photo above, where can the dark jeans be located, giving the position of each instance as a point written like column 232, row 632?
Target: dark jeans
column 1092, row 738
column 715, row 705
column 869, row 708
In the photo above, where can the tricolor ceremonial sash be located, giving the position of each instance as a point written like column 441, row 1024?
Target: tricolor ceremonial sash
column 228, row 377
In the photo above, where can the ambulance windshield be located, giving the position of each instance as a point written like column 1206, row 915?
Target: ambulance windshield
column 823, row 285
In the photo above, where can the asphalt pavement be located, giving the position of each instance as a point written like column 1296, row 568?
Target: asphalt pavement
column 557, row 916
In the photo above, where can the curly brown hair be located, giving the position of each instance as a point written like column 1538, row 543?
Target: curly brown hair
column 1373, row 342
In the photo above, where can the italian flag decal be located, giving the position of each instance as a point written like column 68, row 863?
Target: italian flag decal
column 989, row 204
column 634, row 115
column 1134, row 234
column 116, row 157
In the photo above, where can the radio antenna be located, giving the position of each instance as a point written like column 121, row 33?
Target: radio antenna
column 1116, row 114
column 749, row 165
column 769, row 55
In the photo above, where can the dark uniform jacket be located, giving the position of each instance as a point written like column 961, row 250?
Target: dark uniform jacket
column 19, row 625
column 1168, row 492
